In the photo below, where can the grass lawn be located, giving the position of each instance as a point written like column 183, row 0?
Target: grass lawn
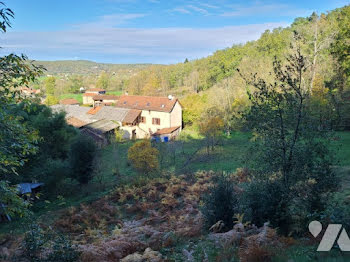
column 183, row 156
column 79, row 97
column 341, row 147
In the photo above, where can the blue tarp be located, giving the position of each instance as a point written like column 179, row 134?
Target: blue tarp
column 25, row 188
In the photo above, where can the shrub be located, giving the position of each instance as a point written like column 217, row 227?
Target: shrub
column 220, row 204
column 62, row 250
column 143, row 157
column 261, row 202
column 51, row 100
column 34, row 243
column 52, row 173
column 82, row 153
column 44, row 246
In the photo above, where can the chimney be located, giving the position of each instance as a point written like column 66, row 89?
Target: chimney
column 170, row 97
column 126, row 93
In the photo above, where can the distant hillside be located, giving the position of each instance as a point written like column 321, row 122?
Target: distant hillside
column 84, row 67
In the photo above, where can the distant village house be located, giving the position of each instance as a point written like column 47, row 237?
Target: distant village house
column 138, row 117
column 89, row 94
column 69, row 101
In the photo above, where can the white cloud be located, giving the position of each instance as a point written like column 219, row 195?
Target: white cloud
column 109, row 21
column 264, row 9
column 158, row 45
column 198, row 9
column 181, row 10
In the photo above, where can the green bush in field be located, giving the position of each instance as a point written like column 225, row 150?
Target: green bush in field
column 82, row 154
column 220, row 204
column 43, row 246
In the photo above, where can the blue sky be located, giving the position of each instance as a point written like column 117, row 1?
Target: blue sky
column 144, row 31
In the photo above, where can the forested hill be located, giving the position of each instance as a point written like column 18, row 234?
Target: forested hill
column 318, row 34
column 84, row 67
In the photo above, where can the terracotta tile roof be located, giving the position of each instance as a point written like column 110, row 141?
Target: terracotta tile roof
column 166, row 131
column 94, row 110
column 75, row 122
column 89, row 94
column 161, row 104
column 69, row 101
column 95, row 90
column 30, row 90
column 105, row 97
column 131, row 116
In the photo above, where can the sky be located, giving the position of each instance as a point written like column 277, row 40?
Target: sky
column 144, row 31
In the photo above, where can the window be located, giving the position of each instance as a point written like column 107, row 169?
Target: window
column 156, row 121
column 143, row 119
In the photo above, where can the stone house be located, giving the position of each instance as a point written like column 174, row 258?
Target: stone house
column 137, row 116
column 155, row 114
column 89, row 94
column 106, row 100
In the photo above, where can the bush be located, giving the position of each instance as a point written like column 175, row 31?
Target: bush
column 261, row 202
column 52, row 173
column 82, row 153
column 62, row 250
column 43, row 246
column 144, row 157
column 51, row 100
column 220, row 204
column 338, row 209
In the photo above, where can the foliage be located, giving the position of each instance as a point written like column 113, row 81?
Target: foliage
column 51, row 100
column 49, row 84
column 103, row 81
column 49, row 165
column 211, row 129
column 14, row 204
column 143, row 157
column 221, row 203
column 82, row 153
column 17, row 141
column 43, row 246
column 34, row 241
column 118, row 135
column 194, row 105
column 291, row 150
column 341, row 46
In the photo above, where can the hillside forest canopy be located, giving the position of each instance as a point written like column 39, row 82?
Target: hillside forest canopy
column 265, row 150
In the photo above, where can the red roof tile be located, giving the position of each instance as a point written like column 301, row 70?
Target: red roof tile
column 95, row 90
column 154, row 103
column 75, row 122
column 105, row 97
column 89, row 94
column 94, row 110
column 166, row 131
column 69, row 101
column 131, row 116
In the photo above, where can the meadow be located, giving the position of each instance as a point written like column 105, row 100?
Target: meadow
column 79, row 97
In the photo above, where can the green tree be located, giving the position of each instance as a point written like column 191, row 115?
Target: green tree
column 211, row 129
column 82, row 154
column 75, row 82
column 143, row 157
column 341, row 45
column 51, row 100
column 50, row 127
column 17, row 140
column 220, row 204
column 50, row 84
column 103, row 81
column 291, row 149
